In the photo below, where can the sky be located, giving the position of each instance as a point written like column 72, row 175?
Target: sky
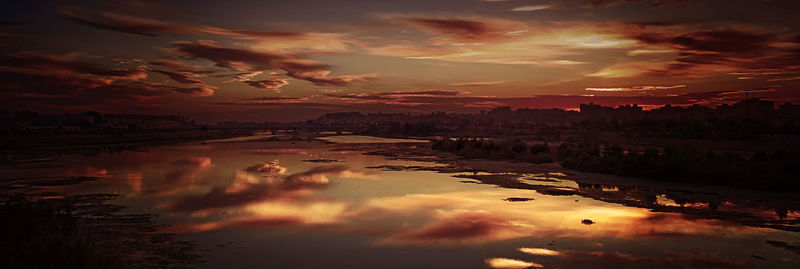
column 294, row 60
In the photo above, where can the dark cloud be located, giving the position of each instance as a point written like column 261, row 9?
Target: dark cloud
column 710, row 52
column 68, row 65
column 238, row 59
column 718, row 41
column 724, row 41
column 124, row 23
column 270, row 98
column 73, row 93
column 140, row 6
column 250, row 34
column 201, row 88
column 322, row 79
column 169, row 63
column 248, row 60
column 120, row 22
column 73, row 80
column 17, row 82
column 269, row 84
column 220, row 197
column 179, row 77
column 465, row 226
column 655, row 3
column 197, row 91
column 463, row 28
column 317, row 73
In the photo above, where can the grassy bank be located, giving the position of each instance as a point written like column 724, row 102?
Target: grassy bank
column 776, row 170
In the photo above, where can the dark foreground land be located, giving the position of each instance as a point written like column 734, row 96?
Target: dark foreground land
column 82, row 231
column 51, row 230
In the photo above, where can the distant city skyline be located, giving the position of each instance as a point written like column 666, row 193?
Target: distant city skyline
column 285, row 61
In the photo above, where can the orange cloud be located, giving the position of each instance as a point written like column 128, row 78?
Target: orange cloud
column 479, row 83
column 635, row 88
column 628, row 69
column 532, row 8
column 499, row 41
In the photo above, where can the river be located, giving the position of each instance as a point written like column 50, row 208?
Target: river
column 258, row 203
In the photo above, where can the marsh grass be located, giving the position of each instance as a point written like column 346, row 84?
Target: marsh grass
column 46, row 234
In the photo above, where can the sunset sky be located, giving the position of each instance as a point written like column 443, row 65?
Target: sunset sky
column 292, row 60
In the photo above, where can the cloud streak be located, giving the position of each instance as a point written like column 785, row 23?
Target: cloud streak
column 251, row 60
column 119, row 22
column 269, row 84
column 634, row 88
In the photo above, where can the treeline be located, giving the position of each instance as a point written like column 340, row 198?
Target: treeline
column 741, row 129
column 496, row 149
column 686, row 128
column 779, row 170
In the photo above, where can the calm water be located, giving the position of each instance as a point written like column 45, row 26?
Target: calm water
column 311, row 204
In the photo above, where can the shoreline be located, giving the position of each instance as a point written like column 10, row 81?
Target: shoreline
column 23, row 153
column 776, row 210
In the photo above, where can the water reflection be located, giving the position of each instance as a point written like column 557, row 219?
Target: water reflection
column 506, row 263
column 601, row 259
column 270, row 191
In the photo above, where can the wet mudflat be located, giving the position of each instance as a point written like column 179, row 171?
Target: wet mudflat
column 374, row 203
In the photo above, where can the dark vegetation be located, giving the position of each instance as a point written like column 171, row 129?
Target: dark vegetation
column 496, row 150
column 745, row 129
column 82, row 231
column 46, row 234
column 30, row 131
column 777, row 170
